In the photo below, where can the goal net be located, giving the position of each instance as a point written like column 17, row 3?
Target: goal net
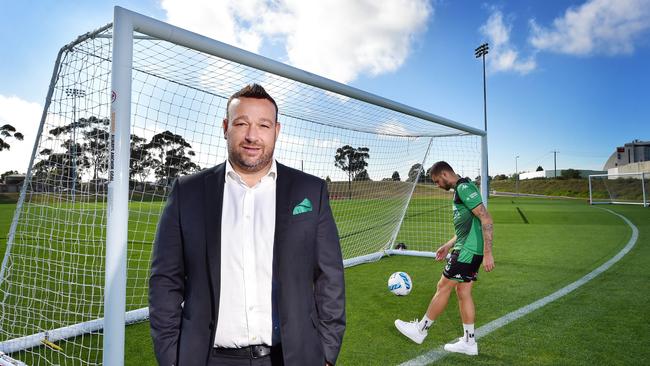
column 627, row 188
column 134, row 105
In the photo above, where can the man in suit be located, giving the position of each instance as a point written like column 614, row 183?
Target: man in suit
column 247, row 266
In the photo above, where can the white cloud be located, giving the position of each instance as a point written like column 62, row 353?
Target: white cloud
column 503, row 55
column 224, row 20
column 597, row 26
column 25, row 117
column 391, row 128
column 339, row 39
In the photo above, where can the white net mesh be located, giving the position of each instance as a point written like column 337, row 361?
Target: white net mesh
column 53, row 273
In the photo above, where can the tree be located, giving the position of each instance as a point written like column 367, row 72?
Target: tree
column 142, row 161
column 174, row 156
column 50, row 169
column 395, row 176
column 8, row 131
column 500, row 177
column 539, row 169
column 351, row 161
column 570, row 174
column 361, row 176
column 477, row 179
column 416, row 172
column 85, row 148
column 96, row 144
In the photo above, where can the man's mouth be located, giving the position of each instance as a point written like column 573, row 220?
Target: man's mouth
column 251, row 149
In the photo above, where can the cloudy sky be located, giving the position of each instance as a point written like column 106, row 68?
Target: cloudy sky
column 570, row 76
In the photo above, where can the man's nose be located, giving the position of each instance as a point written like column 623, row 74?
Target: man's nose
column 252, row 134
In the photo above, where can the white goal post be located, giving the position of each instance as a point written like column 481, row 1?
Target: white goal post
column 622, row 189
column 137, row 103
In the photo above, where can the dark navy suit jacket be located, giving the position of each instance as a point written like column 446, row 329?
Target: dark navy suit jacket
column 307, row 271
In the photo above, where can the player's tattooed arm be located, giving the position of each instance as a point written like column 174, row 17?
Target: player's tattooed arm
column 487, row 224
column 488, row 233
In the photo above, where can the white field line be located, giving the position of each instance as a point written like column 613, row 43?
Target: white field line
column 438, row 353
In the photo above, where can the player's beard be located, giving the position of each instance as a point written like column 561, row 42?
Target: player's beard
column 250, row 165
column 446, row 185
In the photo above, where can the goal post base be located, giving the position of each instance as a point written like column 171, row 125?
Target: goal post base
column 414, row 253
column 5, row 360
column 63, row 333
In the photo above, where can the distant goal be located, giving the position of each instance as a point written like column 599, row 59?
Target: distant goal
column 622, row 189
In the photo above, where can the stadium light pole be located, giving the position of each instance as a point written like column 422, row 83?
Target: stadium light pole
column 74, row 93
column 481, row 51
column 516, row 176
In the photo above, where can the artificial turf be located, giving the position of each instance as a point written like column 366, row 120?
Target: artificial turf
column 540, row 246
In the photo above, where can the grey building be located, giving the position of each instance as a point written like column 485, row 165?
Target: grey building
column 636, row 151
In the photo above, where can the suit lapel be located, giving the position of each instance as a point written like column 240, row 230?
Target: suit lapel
column 282, row 196
column 214, row 185
column 282, row 202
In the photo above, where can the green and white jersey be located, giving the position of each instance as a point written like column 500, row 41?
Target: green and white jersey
column 469, row 235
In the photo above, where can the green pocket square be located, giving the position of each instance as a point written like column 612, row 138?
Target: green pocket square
column 302, row 207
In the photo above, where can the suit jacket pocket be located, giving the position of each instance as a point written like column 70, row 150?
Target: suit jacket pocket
column 307, row 216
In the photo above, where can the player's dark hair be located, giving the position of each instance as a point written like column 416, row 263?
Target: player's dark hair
column 439, row 167
column 252, row 91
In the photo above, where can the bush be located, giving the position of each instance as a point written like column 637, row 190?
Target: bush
column 570, row 174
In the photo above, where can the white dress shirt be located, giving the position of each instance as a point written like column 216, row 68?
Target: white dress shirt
column 247, row 233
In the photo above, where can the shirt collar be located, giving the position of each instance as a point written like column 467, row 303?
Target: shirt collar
column 271, row 174
column 461, row 181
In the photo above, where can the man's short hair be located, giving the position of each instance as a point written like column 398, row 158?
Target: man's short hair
column 252, row 91
column 439, row 167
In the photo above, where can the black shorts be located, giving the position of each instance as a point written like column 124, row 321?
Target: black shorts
column 462, row 272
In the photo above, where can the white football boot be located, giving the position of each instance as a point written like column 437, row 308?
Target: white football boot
column 462, row 347
column 411, row 330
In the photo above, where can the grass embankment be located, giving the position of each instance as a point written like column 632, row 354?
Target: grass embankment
column 548, row 187
column 8, row 197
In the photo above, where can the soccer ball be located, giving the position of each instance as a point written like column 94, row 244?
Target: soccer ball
column 400, row 284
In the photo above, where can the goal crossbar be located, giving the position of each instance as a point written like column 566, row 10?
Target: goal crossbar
column 161, row 30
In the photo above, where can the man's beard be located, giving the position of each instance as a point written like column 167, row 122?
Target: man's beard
column 446, row 186
column 238, row 159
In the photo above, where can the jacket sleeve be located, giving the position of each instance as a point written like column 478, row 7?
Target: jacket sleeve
column 329, row 285
column 166, row 283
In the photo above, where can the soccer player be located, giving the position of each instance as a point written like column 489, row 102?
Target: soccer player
column 471, row 246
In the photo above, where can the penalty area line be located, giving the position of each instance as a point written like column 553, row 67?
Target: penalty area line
column 438, row 353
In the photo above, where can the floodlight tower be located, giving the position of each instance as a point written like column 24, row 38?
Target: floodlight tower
column 516, row 176
column 481, row 51
column 74, row 93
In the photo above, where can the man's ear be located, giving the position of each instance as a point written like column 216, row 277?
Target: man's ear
column 277, row 130
column 224, row 125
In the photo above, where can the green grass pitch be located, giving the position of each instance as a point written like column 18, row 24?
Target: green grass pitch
column 540, row 246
